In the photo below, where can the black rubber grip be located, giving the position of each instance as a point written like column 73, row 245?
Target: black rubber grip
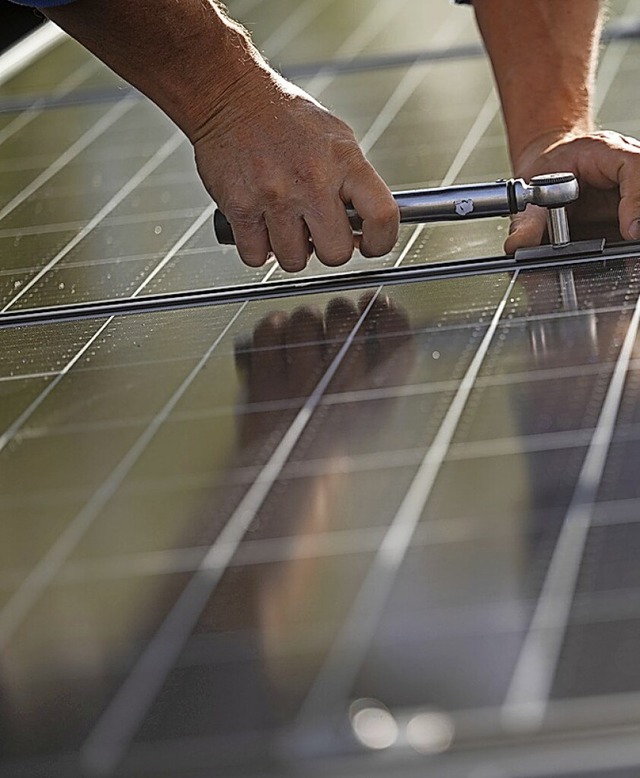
column 222, row 228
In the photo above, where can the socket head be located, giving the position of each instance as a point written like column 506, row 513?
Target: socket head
column 554, row 190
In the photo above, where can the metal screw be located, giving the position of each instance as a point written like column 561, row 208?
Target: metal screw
column 557, row 220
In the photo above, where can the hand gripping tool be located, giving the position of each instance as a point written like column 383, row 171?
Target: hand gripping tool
column 472, row 201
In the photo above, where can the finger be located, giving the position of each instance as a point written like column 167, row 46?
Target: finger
column 606, row 161
column 527, row 229
column 389, row 346
column 242, row 351
column 595, row 205
column 341, row 318
column 376, row 207
column 629, row 208
column 380, row 323
column 268, row 359
column 393, row 329
column 289, row 239
column 252, row 242
column 305, row 348
column 595, row 215
column 366, row 298
column 331, row 232
column 397, row 347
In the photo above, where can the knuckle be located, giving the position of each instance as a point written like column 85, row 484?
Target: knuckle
column 312, row 174
column 306, row 182
column 242, row 213
column 385, row 212
column 266, row 192
column 318, row 196
column 275, row 194
column 347, row 150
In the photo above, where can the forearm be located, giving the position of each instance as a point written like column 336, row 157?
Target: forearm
column 544, row 56
column 188, row 56
column 279, row 164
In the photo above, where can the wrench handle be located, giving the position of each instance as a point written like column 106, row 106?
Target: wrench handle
column 420, row 206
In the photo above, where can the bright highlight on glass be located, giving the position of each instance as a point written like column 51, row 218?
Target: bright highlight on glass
column 373, row 724
column 430, row 733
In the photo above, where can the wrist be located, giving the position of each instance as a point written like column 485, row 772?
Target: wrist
column 525, row 156
column 533, row 137
column 229, row 73
column 243, row 97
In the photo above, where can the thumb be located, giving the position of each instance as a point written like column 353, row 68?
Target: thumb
column 527, row 229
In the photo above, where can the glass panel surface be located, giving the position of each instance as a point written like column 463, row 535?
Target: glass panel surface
column 387, row 532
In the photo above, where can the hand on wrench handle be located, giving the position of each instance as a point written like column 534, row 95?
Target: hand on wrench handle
column 471, row 201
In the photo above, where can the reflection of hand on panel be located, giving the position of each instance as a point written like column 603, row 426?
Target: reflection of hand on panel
column 288, row 355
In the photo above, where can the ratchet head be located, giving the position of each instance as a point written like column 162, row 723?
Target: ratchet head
column 554, row 190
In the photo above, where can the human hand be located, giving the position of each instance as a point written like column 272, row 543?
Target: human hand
column 607, row 166
column 282, row 168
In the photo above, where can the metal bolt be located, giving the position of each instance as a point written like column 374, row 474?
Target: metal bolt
column 557, row 220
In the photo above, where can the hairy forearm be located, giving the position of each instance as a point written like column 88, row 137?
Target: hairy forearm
column 189, row 57
column 544, row 56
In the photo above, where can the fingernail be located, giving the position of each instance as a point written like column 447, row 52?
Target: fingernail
column 634, row 230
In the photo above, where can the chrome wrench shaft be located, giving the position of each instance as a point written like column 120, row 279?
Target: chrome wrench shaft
column 459, row 203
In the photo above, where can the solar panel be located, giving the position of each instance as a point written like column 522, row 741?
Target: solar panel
column 381, row 531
